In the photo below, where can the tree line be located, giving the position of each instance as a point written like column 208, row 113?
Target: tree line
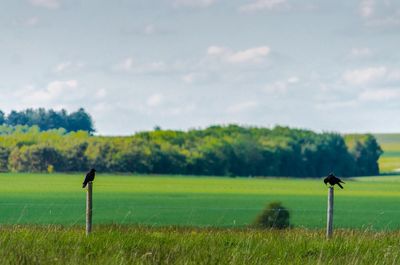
column 49, row 119
column 218, row 150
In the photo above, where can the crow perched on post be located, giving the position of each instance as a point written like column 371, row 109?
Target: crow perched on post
column 332, row 180
column 89, row 177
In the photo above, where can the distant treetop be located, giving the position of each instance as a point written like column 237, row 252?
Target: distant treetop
column 49, row 119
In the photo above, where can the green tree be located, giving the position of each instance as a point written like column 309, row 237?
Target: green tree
column 75, row 158
column 80, row 120
column 35, row 158
column 2, row 118
column 4, row 154
column 16, row 118
column 50, row 119
column 366, row 153
column 218, row 150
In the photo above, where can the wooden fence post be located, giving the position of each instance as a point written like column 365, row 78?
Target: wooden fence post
column 89, row 207
column 329, row 223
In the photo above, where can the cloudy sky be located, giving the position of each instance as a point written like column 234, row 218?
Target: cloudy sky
column 179, row 64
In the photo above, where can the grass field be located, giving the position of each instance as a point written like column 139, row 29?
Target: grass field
column 195, row 201
column 139, row 245
column 390, row 159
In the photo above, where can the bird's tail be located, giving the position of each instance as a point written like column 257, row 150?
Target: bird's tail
column 84, row 184
column 340, row 185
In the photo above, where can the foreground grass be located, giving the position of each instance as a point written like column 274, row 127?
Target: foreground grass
column 140, row 245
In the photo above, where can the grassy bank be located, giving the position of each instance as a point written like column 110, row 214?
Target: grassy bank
column 136, row 245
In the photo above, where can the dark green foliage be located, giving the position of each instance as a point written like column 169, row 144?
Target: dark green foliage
column 4, row 154
column 74, row 158
column 2, row 118
column 218, row 150
column 50, row 119
column 366, row 152
column 79, row 120
column 35, row 158
column 273, row 216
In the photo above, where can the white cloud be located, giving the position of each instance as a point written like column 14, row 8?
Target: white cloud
column 56, row 93
column 50, row 4
column 253, row 55
column 381, row 75
column 216, row 50
column 380, row 95
column 382, row 13
column 241, row 107
column 128, row 65
column 264, row 5
column 360, row 52
column 278, row 87
column 367, row 8
column 56, row 89
column 67, row 66
column 335, row 105
column 394, row 75
column 149, row 29
column 125, row 65
column 62, row 66
column 146, row 29
column 281, row 87
column 293, row 80
column 189, row 78
column 32, row 21
column 194, row 77
column 154, row 100
column 385, row 21
column 159, row 66
column 174, row 111
column 193, row 3
column 101, row 93
column 365, row 76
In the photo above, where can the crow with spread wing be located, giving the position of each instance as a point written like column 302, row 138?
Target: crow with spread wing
column 332, row 180
column 89, row 177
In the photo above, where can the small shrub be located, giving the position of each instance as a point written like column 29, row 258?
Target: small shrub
column 273, row 216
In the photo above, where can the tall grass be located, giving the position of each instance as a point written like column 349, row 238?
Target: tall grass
column 145, row 245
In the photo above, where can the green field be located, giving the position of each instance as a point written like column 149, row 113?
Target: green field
column 390, row 159
column 140, row 245
column 195, row 201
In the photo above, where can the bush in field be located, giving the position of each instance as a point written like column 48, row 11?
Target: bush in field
column 273, row 216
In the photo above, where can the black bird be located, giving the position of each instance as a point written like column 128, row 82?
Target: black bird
column 332, row 180
column 89, row 177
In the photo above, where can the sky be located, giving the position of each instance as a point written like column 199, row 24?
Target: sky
column 182, row 64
